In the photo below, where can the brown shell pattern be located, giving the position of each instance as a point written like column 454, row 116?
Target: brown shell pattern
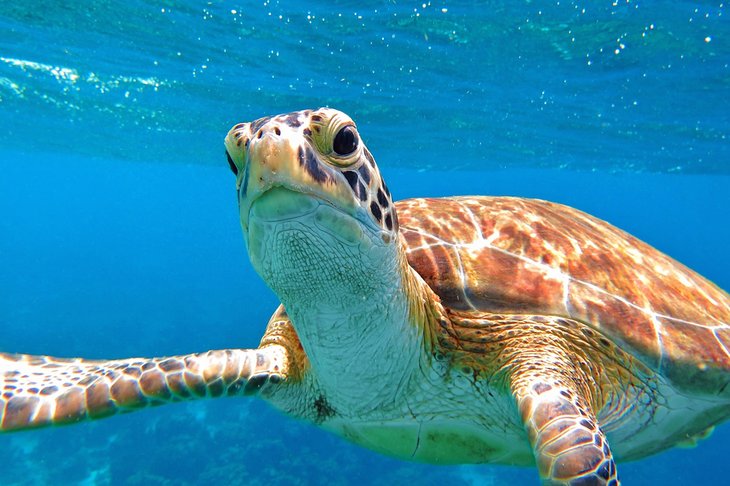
column 514, row 255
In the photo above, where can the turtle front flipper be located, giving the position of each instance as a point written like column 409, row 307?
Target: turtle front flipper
column 561, row 374
column 569, row 446
column 556, row 397
column 39, row 390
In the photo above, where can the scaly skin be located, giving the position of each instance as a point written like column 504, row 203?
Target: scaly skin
column 40, row 390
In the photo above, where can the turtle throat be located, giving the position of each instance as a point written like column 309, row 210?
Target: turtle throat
column 349, row 292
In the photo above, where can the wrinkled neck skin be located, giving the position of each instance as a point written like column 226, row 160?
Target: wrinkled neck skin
column 353, row 301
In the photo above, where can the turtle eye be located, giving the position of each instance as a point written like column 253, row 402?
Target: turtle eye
column 345, row 141
column 231, row 164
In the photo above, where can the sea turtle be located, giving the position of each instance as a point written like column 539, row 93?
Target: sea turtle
column 455, row 330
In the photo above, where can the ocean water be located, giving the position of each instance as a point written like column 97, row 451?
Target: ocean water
column 119, row 229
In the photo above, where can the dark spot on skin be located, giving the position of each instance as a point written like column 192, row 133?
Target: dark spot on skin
column 376, row 211
column 587, row 424
column 364, row 173
column 369, row 157
column 316, row 118
column 307, row 132
column 323, row 408
column 382, row 199
column 311, row 165
column 565, row 394
column 239, row 126
column 351, row 178
column 389, row 222
column 292, row 120
column 256, row 125
column 541, row 388
column 361, row 192
column 604, row 342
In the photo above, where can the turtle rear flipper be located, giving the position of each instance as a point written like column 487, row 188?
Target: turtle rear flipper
column 38, row 390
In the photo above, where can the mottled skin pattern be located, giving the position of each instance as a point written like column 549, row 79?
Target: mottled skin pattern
column 464, row 329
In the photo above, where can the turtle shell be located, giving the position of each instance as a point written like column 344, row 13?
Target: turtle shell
column 527, row 256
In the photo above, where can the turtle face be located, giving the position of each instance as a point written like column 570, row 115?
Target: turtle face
column 306, row 183
column 318, row 153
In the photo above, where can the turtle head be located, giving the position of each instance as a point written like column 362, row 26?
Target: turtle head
column 316, row 215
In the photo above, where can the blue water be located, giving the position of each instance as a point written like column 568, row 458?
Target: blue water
column 118, row 225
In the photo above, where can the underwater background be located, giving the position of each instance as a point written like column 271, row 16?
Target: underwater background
column 119, row 231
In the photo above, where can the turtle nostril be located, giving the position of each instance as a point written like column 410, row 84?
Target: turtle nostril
column 277, row 131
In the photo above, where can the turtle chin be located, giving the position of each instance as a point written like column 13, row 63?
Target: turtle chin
column 281, row 204
column 303, row 247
